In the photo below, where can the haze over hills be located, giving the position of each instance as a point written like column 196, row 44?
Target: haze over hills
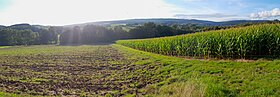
column 169, row 21
column 161, row 21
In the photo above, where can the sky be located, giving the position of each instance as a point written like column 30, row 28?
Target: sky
column 65, row 12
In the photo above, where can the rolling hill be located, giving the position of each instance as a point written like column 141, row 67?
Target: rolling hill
column 169, row 21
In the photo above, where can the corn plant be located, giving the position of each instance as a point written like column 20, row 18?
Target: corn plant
column 247, row 42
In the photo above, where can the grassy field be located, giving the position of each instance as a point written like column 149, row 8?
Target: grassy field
column 114, row 70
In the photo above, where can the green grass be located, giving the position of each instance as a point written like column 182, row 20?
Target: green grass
column 115, row 70
column 43, row 49
column 3, row 94
column 258, row 41
column 4, row 47
column 211, row 78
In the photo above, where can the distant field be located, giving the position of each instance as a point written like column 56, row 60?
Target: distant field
column 114, row 70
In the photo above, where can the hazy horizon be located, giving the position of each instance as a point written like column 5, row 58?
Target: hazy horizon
column 67, row 12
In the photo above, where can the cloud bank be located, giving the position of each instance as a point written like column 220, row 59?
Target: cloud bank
column 215, row 16
column 266, row 14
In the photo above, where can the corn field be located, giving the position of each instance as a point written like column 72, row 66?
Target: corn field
column 247, row 42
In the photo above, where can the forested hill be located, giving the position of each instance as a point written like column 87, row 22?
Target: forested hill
column 2, row 26
column 26, row 34
column 168, row 22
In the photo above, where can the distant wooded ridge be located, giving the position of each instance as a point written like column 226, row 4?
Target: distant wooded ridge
column 169, row 22
column 110, row 31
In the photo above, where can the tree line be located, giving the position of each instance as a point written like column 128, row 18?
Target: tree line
column 25, row 34
column 98, row 34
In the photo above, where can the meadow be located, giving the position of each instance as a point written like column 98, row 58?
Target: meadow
column 115, row 70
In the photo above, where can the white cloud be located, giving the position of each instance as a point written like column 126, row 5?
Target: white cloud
column 211, row 17
column 266, row 14
column 61, row 12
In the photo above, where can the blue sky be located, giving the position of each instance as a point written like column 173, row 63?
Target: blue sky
column 4, row 4
column 63, row 12
column 235, row 9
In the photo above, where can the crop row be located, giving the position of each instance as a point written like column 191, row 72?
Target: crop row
column 247, row 42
